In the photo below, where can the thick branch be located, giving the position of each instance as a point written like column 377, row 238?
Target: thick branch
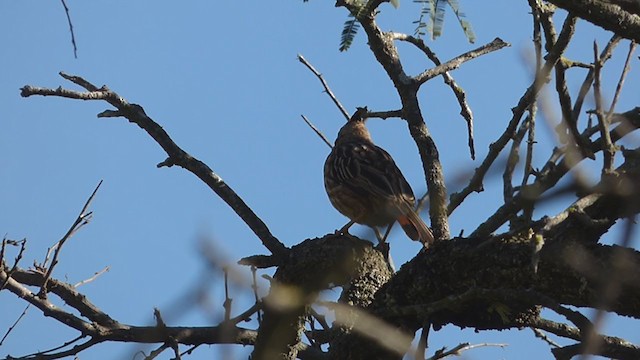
column 604, row 14
column 314, row 265
column 385, row 51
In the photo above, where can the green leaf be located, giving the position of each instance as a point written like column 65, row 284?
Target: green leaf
column 462, row 19
column 438, row 18
column 431, row 21
column 349, row 32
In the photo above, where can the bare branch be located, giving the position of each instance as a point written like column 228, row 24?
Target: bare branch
column 455, row 63
column 227, row 300
column 457, row 350
column 177, row 156
column 317, row 131
column 623, row 75
column 95, row 276
column 73, row 36
column 384, row 114
column 15, row 323
column 82, row 219
column 327, row 89
column 605, row 15
column 254, row 287
column 461, row 96
column 609, row 150
column 529, row 97
column 47, row 308
column 541, row 335
column 16, row 261
column 386, row 53
column 588, row 80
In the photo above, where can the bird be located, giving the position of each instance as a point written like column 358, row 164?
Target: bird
column 364, row 183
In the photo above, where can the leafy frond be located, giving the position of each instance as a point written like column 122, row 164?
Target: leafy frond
column 351, row 26
column 462, row 19
column 438, row 17
column 431, row 21
column 426, row 12
column 349, row 32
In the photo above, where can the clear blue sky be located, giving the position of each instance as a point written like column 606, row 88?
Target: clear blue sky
column 222, row 78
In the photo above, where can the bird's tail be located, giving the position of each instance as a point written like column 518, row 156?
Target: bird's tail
column 415, row 228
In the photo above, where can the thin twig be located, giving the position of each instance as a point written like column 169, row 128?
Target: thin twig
column 16, row 261
column 246, row 315
column 327, row 89
column 609, row 149
column 254, row 287
column 541, row 335
column 154, row 353
column 73, row 36
column 95, row 276
column 512, row 160
column 190, row 350
column 569, row 125
column 82, row 219
column 176, row 350
column 529, row 97
column 227, row 300
column 62, row 346
column 317, row 131
column 623, row 75
column 441, row 354
column 64, row 354
column 607, row 52
column 461, row 96
column 15, row 323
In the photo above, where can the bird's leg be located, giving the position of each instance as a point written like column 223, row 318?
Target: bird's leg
column 386, row 234
column 378, row 234
column 345, row 229
column 385, row 249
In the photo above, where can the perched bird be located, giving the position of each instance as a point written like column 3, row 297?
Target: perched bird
column 364, row 183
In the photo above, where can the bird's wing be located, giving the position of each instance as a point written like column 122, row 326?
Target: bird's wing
column 371, row 168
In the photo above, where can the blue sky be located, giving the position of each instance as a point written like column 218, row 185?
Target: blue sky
column 222, row 78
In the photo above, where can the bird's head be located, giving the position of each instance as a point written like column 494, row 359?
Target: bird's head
column 355, row 129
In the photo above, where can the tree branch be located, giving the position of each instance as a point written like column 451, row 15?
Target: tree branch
column 385, row 51
column 604, row 14
column 529, row 97
column 136, row 114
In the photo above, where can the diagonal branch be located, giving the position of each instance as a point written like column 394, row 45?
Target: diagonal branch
column 327, row 89
column 604, row 14
column 465, row 109
column 529, row 97
column 136, row 114
column 455, row 63
column 383, row 47
column 82, row 219
column 73, row 36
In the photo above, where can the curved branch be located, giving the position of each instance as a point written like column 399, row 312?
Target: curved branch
column 136, row 114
